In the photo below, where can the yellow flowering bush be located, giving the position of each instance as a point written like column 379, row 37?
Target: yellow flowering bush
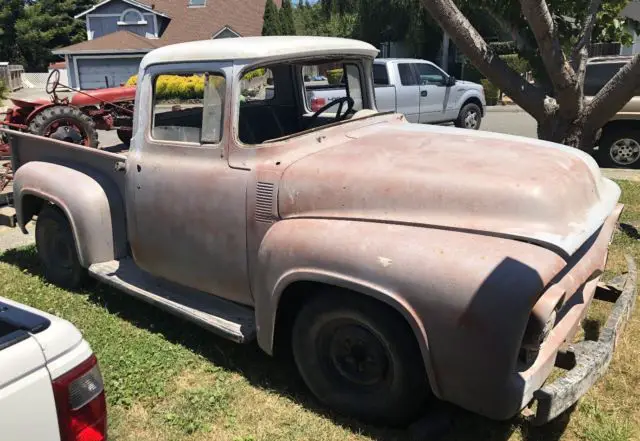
column 178, row 87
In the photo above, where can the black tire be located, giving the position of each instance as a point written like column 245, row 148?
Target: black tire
column 125, row 137
column 87, row 135
column 470, row 117
column 619, row 148
column 57, row 249
column 331, row 337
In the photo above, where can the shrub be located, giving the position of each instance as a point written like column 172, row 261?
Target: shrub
column 491, row 92
column 178, row 87
column 254, row 74
column 517, row 63
column 3, row 91
column 334, row 76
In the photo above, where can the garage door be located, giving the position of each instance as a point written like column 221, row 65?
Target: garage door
column 95, row 73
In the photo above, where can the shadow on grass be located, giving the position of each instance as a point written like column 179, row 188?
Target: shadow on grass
column 445, row 422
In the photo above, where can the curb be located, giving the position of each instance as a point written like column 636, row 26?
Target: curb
column 505, row 109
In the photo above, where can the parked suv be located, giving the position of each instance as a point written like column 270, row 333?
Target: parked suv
column 619, row 143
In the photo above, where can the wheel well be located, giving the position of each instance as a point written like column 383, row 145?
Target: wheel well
column 297, row 294
column 475, row 101
column 31, row 206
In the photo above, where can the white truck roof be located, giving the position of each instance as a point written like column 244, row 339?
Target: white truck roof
column 248, row 48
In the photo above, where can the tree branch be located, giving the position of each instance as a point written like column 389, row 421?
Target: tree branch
column 613, row 96
column 560, row 72
column 471, row 43
column 577, row 55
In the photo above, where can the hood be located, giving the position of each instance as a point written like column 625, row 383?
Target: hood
column 454, row 179
column 469, row 84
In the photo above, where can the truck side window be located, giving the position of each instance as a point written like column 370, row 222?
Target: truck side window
column 380, row 75
column 430, row 75
column 598, row 75
column 407, row 75
column 179, row 107
column 257, row 85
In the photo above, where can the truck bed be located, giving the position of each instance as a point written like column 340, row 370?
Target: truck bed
column 26, row 148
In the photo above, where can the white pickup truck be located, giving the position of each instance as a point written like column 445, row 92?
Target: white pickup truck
column 419, row 89
column 50, row 384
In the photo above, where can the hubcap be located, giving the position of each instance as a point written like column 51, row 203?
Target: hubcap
column 356, row 355
column 471, row 120
column 65, row 131
column 625, row 151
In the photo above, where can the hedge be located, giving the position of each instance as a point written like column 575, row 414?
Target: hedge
column 491, row 92
column 334, row 76
column 186, row 88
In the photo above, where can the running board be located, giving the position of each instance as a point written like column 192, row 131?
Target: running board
column 222, row 317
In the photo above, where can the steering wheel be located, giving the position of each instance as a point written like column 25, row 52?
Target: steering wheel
column 53, row 81
column 340, row 101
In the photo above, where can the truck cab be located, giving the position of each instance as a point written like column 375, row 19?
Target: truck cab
column 342, row 234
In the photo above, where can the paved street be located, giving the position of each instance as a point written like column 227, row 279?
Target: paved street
column 509, row 120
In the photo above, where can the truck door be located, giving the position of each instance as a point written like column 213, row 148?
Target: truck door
column 408, row 92
column 186, row 205
column 433, row 93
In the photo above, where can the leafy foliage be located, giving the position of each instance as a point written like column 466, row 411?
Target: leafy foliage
column 287, row 23
column 10, row 11
column 334, row 76
column 3, row 92
column 178, row 87
column 271, row 24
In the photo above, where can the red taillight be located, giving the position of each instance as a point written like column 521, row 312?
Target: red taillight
column 318, row 103
column 80, row 402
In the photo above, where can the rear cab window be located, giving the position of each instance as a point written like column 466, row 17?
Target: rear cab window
column 188, row 107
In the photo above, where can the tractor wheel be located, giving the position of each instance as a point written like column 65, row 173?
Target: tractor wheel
column 65, row 123
column 125, row 136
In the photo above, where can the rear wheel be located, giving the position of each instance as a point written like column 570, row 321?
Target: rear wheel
column 360, row 358
column 470, row 117
column 57, row 249
column 65, row 123
column 619, row 148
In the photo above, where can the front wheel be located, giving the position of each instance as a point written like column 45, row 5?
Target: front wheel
column 360, row 358
column 57, row 249
column 619, row 148
column 470, row 117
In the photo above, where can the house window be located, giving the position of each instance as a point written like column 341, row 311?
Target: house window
column 197, row 3
column 131, row 17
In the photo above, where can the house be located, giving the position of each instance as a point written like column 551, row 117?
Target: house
column 632, row 12
column 121, row 32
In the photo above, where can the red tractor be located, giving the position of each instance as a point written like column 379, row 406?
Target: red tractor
column 75, row 119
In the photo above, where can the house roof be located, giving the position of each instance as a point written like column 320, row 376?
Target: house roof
column 244, row 17
column 118, row 42
column 131, row 2
column 259, row 48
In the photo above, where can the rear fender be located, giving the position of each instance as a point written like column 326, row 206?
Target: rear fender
column 37, row 111
column 91, row 203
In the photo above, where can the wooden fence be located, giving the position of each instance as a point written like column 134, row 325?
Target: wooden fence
column 11, row 76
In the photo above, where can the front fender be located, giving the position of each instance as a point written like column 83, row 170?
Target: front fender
column 466, row 296
column 93, row 207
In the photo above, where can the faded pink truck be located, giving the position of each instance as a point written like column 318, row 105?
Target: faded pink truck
column 398, row 262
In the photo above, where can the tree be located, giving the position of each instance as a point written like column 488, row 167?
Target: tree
column 10, row 11
column 287, row 24
column 271, row 24
column 46, row 25
column 311, row 20
column 557, row 103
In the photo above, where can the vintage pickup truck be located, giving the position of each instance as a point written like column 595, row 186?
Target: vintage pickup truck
column 396, row 261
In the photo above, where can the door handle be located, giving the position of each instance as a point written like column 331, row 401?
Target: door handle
column 424, row 93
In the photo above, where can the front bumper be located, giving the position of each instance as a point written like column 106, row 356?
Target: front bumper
column 587, row 361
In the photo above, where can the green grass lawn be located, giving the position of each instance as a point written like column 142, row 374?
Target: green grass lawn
column 168, row 380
